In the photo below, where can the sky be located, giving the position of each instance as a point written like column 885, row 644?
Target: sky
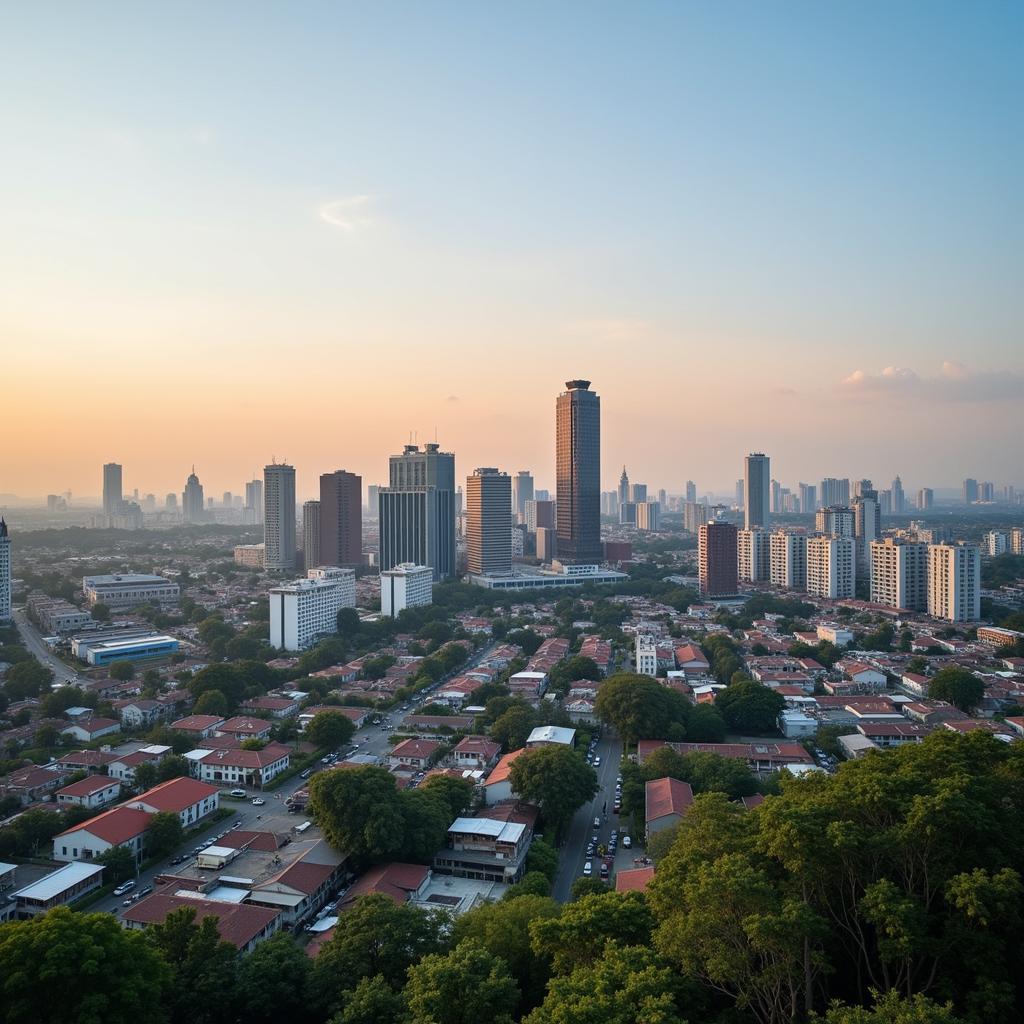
column 231, row 232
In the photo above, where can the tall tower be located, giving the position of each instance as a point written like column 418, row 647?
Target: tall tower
column 192, row 505
column 279, row 516
column 578, row 473
column 756, row 490
column 417, row 511
column 341, row 518
column 311, row 524
column 113, row 494
column 716, row 559
column 5, row 573
column 489, row 523
column 522, row 492
column 623, row 487
column 899, row 501
column 253, row 512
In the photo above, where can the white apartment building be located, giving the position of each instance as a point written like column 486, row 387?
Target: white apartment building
column 995, row 543
column 954, row 582
column 789, row 560
column 899, row 573
column 646, row 655
column 405, row 586
column 648, row 516
column 831, row 567
column 1017, row 540
column 129, row 589
column 305, row 610
column 835, row 521
column 753, row 555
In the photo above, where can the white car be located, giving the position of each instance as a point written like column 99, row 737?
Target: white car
column 588, row 868
column 258, row 801
column 627, row 842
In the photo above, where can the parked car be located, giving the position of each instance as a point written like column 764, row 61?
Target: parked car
column 597, row 824
column 627, row 842
column 237, row 824
column 180, row 859
column 604, row 871
column 144, row 891
column 125, row 887
column 258, row 801
column 306, row 773
column 588, row 868
column 238, row 792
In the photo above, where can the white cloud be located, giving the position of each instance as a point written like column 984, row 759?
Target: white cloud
column 348, row 214
column 955, row 382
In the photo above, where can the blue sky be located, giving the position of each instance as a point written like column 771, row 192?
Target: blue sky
column 728, row 214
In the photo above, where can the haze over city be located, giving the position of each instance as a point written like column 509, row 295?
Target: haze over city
column 228, row 238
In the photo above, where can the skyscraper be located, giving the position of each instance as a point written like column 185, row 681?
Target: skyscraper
column 522, row 492
column 192, row 505
column 5, row 573
column 954, row 581
column 279, row 516
column 341, row 518
column 756, row 490
column 753, row 555
column 540, row 515
column 834, row 491
column 835, row 521
column 716, row 559
column 691, row 491
column 113, row 493
column 899, row 573
column 648, row 516
column 417, row 511
column 831, row 567
column 311, row 535
column 578, row 473
column 925, row 498
column 970, row 491
column 867, row 526
column 899, row 501
column 253, row 511
column 789, row 560
column 624, row 487
column 638, row 493
column 489, row 523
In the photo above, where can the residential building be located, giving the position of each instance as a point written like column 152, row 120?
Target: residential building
column 311, row 536
column 56, row 889
column 417, row 511
column 485, row 848
column 190, row 799
column 279, row 516
column 627, row 513
column 716, row 558
column 251, row 556
column 242, row 925
column 414, row 753
column 489, row 523
column 578, row 473
column 995, row 543
column 834, row 492
column 193, row 506
column 648, row 516
column 925, row 498
column 244, row 727
column 789, row 560
column 551, row 736
column 1017, row 540
column 835, row 521
column 89, row 729
column 691, row 491
column 92, row 791
column 754, row 555
column 247, row 767
column 808, row 498
column 867, row 525
column 899, row 573
column 113, row 490
column 756, row 490
column 970, row 491
column 498, row 785
column 666, row 802
column 831, row 567
column 540, row 514
column 252, row 511
column 120, row 826
column 954, row 582
column 341, row 519
column 476, row 752
column 646, row 655
column 305, row 610
column 198, row 726
column 405, row 586
column 127, row 590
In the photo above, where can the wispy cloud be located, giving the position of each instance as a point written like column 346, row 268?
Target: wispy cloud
column 348, row 214
column 954, row 382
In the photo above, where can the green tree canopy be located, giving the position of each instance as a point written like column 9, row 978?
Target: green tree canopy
column 640, row 708
column 164, row 833
column 466, row 986
column 556, row 779
column 748, row 706
column 272, row 981
column 959, row 687
column 328, row 730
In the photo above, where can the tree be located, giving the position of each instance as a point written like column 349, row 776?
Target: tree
column 533, row 883
column 27, row 679
column 456, row 795
column 465, row 986
column 211, row 702
column 372, row 1001
column 639, row 707
column 46, row 736
column 100, row 612
column 122, row 670
column 164, row 833
column 145, row 776
column 360, row 811
column 328, row 730
column 891, row 1008
column 513, row 726
column 202, row 964
column 589, row 886
column 705, row 724
column 959, row 687
column 379, row 938
column 119, row 862
column 748, row 706
column 542, row 857
column 556, row 779
column 272, row 981
column 503, row 929
column 626, row 985
column 348, row 623
column 63, row 966
column 171, row 766
column 578, row 936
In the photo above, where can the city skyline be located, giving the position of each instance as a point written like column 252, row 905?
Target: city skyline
column 737, row 227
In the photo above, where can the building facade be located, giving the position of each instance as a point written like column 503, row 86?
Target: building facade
column 831, row 567
column 127, row 590
column 899, row 574
column 578, row 473
column 954, row 582
column 193, row 506
column 279, row 517
column 405, row 586
column 648, row 516
column 716, row 557
column 835, row 521
column 754, row 555
column 311, row 535
column 756, row 490
column 306, row 610
column 489, row 523
column 789, row 560
column 5, row 573
column 341, row 519
column 113, row 492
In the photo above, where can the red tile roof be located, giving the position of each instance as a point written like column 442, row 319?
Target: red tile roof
column 503, row 767
column 90, row 784
column 415, row 748
column 633, row 879
column 115, row 826
column 396, row 880
column 245, row 724
column 667, row 796
column 197, row 723
column 248, row 758
column 237, row 923
column 175, row 795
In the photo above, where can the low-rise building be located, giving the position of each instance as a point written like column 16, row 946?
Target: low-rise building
column 476, row 752
column 666, row 802
column 89, row 729
column 57, row 889
column 414, row 753
column 498, row 785
column 92, row 791
column 246, row 767
column 485, row 849
column 126, row 590
column 244, row 728
column 190, row 799
column 551, row 736
column 198, row 726
column 121, row 826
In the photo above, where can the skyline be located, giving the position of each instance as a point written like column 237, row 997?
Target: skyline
column 268, row 237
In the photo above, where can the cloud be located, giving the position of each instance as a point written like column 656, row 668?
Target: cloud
column 348, row 214
column 452, row 398
column 955, row 382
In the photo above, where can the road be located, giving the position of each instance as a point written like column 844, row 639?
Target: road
column 32, row 639
column 573, row 853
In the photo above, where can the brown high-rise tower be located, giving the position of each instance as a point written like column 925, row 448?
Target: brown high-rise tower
column 578, row 473
column 341, row 518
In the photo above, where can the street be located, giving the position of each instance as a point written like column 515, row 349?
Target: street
column 573, row 852
column 31, row 638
